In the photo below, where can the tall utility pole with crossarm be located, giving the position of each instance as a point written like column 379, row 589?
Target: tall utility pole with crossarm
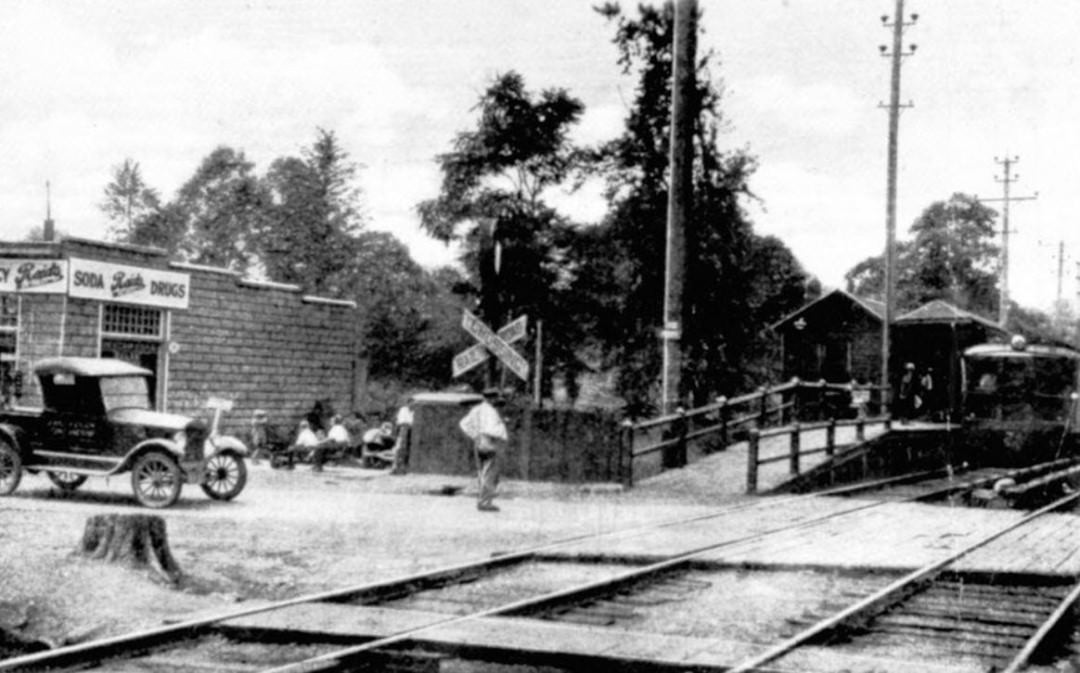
column 896, row 54
column 1003, row 266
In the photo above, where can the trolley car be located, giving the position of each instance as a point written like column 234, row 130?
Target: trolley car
column 1019, row 402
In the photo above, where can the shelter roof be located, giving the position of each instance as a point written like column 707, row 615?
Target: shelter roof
column 939, row 311
column 872, row 307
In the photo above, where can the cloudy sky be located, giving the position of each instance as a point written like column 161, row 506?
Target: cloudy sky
column 87, row 83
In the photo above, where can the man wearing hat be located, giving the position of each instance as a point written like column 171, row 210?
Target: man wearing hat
column 905, row 403
column 485, row 427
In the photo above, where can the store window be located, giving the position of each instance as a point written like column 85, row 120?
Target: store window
column 134, row 334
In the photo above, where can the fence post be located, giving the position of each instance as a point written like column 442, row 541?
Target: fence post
column 722, row 401
column 830, row 437
column 626, row 462
column 888, row 423
column 683, row 429
column 752, row 460
column 763, row 418
column 860, row 429
column 795, row 447
column 796, row 401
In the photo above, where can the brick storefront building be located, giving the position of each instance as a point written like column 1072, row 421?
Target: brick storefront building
column 204, row 332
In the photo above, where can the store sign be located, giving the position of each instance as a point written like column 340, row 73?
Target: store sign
column 37, row 276
column 128, row 284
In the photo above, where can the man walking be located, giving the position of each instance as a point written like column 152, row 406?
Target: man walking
column 486, row 429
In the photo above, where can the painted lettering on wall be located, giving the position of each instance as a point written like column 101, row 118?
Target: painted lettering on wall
column 163, row 289
column 125, row 283
column 30, row 275
column 88, row 279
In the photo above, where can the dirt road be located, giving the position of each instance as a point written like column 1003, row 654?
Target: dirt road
column 288, row 533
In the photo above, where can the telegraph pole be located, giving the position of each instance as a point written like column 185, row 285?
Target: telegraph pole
column 1003, row 264
column 896, row 55
column 680, row 197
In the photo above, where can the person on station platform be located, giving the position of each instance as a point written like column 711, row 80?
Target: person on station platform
column 905, row 402
column 485, row 427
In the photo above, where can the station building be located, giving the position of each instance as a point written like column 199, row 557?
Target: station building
column 208, row 334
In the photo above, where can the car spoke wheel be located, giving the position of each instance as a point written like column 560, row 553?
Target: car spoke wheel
column 10, row 468
column 156, row 479
column 67, row 481
column 226, row 475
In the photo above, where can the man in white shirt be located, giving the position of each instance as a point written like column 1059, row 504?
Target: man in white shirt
column 485, row 427
column 404, row 422
column 306, row 442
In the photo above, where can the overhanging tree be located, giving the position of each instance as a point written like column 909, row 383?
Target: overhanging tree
column 736, row 282
column 951, row 256
column 491, row 199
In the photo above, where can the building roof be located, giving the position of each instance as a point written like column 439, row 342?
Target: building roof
column 873, row 308
column 942, row 312
column 89, row 367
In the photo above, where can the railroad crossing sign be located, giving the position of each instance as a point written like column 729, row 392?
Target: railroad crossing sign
column 492, row 344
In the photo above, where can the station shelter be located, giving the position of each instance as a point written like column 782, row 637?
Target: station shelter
column 933, row 338
column 209, row 335
column 837, row 338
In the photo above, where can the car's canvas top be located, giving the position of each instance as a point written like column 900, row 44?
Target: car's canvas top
column 89, row 367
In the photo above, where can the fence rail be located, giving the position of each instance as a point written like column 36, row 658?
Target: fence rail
column 766, row 412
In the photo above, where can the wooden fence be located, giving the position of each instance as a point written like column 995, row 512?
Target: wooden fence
column 653, row 445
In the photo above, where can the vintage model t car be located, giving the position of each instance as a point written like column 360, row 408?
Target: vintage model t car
column 97, row 420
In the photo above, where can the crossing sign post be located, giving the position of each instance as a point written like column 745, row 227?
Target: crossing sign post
column 492, row 343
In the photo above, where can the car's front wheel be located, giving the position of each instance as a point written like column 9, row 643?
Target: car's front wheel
column 156, row 479
column 10, row 468
column 67, row 481
column 226, row 475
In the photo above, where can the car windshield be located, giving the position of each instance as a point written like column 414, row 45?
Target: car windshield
column 125, row 392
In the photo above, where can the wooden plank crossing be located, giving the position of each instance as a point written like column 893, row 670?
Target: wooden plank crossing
column 529, row 638
column 895, row 536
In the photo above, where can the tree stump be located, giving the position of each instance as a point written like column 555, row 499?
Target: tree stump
column 137, row 539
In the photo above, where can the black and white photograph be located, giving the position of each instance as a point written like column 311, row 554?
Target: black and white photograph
column 512, row 336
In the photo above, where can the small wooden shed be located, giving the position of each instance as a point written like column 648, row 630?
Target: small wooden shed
column 836, row 337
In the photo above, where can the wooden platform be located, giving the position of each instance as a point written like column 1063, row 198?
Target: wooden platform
column 530, row 640
column 895, row 536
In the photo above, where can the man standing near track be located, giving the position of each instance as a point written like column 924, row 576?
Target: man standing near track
column 486, row 429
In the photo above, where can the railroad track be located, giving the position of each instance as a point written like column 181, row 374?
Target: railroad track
column 596, row 601
column 946, row 609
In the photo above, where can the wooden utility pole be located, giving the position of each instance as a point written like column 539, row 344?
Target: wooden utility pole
column 680, row 197
column 896, row 55
column 1003, row 264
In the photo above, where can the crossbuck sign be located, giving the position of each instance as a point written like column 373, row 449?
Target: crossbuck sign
column 494, row 344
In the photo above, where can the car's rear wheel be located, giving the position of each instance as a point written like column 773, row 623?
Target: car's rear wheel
column 226, row 475
column 156, row 479
column 67, row 481
column 10, row 468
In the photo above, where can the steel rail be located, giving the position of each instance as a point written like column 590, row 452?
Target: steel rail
column 107, row 647
column 889, row 593
column 336, row 659
column 1033, row 643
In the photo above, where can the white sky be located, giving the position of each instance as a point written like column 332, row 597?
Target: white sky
column 86, row 83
